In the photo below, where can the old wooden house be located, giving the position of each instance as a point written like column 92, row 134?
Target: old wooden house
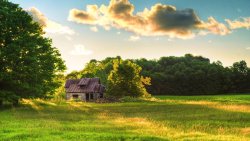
column 85, row 89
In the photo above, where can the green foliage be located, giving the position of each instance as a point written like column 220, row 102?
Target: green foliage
column 121, row 78
column 125, row 80
column 186, row 75
column 28, row 64
column 240, row 77
column 194, row 75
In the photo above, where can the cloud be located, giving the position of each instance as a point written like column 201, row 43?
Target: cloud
column 94, row 29
column 80, row 50
column 134, row 38
column 48, row 25
column 215, row 27
column 81, row 17
column 68, row 38
column 159, row 20
column 248, row 48
column 242, row 23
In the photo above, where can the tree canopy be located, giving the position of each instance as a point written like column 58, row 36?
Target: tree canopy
column 28, row 64
column 121, row 77
column 125, row 80
column 194, row 75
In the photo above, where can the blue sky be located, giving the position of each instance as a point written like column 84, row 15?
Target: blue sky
column 87, row 39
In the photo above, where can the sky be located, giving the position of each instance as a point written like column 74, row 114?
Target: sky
column 95, row 29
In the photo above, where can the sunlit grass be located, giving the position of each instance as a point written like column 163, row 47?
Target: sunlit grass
column 166, row 118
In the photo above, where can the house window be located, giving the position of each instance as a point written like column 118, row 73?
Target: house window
column 75, row 96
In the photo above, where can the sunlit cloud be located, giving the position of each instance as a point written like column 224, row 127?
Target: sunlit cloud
column 242, row 23
column 80, row 50
column 248, row 48
column 68, row 38
column 134, row 38
column 83, row 17
column 94, row 29
column 213, row 26
column 49, row 26
column 159, row 20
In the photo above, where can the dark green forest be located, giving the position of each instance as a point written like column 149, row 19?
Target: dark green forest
column 186, row 75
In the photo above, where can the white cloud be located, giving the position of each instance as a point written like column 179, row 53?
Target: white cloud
column 53, row 27
column 94, row 29
column 248, row 48
column 80, row 50
column 49, row 26
column 170, row 39
column 157, row 39
column 134, row 38
column 68, row 38
column 241, row 23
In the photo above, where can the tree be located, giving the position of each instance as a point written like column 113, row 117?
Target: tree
column 125, row 80
column 28, row 63
column 240, row 75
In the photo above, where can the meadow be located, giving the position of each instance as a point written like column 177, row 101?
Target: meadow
column 224, row 117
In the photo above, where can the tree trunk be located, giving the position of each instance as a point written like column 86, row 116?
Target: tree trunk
column 15, row 102
column 1, row 102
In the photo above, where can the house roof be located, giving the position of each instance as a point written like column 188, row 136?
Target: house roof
column 84, row 85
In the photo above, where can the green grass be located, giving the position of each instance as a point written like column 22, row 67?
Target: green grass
column 165, row 118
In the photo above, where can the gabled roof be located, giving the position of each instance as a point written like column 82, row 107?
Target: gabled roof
column 84, row 85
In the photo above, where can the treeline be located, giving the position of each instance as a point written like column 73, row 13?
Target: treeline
column 187, row 75
column 194, row 75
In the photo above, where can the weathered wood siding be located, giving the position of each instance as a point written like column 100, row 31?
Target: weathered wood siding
column 82, row 96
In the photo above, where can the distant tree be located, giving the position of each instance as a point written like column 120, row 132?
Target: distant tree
column 73, row 75
column 94, row 68
column 28, row 64
column 240, row 75
column 125, row 80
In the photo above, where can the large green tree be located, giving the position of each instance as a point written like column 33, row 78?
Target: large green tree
column 28, row 62
column 125, row 80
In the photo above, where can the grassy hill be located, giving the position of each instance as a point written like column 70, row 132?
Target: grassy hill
column 164, row 118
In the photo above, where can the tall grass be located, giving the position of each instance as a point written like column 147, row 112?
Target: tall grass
column 166, row 118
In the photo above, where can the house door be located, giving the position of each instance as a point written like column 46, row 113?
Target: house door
column 87, row 97
column 101, row 95
column 91, row 96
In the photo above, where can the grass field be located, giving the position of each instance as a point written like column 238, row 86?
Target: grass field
column 164, row 118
